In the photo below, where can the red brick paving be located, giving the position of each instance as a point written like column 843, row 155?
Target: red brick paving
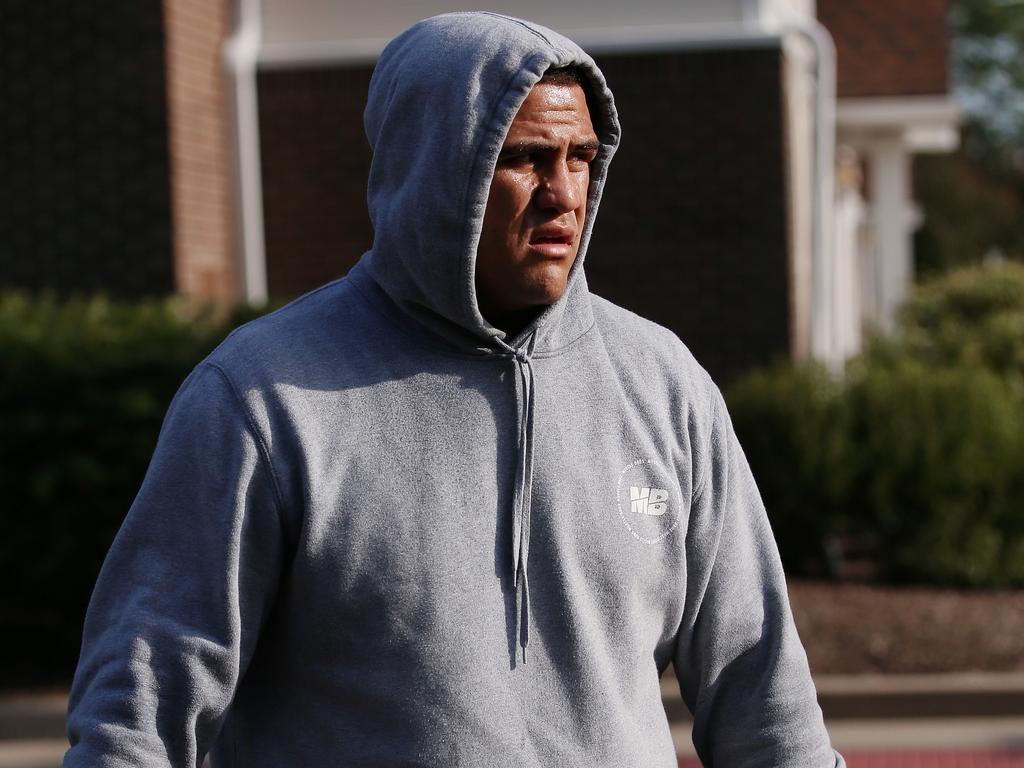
column 920, row 759
column 937, row 759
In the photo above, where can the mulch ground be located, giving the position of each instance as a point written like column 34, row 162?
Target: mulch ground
column 860, row 628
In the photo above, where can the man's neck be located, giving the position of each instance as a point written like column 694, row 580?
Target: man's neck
column 513, row 323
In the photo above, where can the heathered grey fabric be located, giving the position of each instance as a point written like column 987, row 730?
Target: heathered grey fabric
column 321, row 569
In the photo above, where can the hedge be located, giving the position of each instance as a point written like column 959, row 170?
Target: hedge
column 938, row 473
column 915, row 458
column 84, row 385
column 973, row 317
column 792, row 424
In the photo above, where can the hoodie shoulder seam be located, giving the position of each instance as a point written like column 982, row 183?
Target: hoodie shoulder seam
column 261, row 444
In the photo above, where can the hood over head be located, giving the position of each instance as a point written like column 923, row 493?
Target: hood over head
column 442, row 98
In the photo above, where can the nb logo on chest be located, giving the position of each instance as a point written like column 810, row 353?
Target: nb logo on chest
column 648, row 501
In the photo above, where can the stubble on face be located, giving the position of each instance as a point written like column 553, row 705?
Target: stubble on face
column 536, row 206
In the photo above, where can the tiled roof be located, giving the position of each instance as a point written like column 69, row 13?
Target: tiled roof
column 887, row 48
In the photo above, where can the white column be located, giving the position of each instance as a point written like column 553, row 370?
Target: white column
column 801, row 89
column 892, row 223
column 848, row 275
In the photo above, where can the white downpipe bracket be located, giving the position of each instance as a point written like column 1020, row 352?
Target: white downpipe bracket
column 241, row 53
column 823, row 341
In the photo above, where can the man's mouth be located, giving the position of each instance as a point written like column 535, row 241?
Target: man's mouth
column 553, row 243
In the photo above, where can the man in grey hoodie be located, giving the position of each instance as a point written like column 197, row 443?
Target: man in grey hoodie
column 365, row 508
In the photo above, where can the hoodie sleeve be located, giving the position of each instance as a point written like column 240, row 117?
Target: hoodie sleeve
column 741, row 667
column 183, row 592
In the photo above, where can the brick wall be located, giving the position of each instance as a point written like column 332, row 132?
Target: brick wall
column 692, row 231
column 887, row 48
column 693, row 226
column 316, row 160
column 198, row 104
column 84, row 200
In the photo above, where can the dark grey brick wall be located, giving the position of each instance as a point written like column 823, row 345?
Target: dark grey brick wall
column 693, row 230
column 315, row 160
column 84, row 194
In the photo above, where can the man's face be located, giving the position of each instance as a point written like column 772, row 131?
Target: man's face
column 537, row 203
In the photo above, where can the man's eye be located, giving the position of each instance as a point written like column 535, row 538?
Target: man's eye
column 520, row 160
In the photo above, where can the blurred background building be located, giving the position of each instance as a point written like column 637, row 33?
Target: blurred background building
column 761, row 205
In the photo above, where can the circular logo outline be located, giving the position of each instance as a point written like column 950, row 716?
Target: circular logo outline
column 625, row 518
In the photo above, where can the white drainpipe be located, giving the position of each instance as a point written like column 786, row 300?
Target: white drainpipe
column 823, row 344
column 240, row 58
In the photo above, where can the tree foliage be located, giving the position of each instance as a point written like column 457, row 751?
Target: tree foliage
column 988, row 71
column 973, row 199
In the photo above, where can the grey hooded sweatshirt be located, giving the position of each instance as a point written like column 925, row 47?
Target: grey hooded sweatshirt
column 377, row 531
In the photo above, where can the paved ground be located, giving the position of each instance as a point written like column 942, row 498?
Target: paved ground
column 914, row 722
column 47, row 753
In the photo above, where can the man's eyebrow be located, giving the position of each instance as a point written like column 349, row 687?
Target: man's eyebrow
column 525, row 148
column 529, row 147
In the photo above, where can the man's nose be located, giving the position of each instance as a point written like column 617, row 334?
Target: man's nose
column 558, row 189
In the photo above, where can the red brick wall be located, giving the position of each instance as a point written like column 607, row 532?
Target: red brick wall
column 888, row 47
column 315, row 160
column 201, row 183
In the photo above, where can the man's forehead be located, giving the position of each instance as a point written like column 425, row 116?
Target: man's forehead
column 553, row 109
column 559, row 95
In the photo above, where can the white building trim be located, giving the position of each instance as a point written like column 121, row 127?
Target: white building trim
column 892, row 219
column 800, row 86
column 641, row 39
column 925, row 123
column 241, row 52
column 822, row 342
column 851, row 270
column 886, row 132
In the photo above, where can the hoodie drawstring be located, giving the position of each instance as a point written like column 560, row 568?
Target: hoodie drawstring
column 521, row 497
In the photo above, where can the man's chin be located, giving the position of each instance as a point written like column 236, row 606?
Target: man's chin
column 547, row 292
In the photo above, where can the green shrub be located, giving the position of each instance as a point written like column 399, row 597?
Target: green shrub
column 915, row 458
column 972, row 317
column 791, row 423
column 84, row 385
column 937, row 463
